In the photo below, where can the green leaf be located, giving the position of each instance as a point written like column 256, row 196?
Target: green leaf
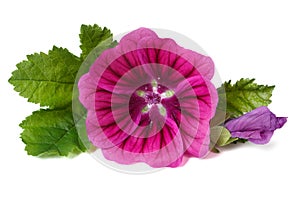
column 219, row 118
column 214, row 150
column 51, row 133
column 243, row 96
column 47, row 79
column 92, row 36
column 221, row 136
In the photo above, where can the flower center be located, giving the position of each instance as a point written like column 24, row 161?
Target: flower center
column 153, row 94
column 152, row 98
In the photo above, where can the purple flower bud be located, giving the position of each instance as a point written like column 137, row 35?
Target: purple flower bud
column 256, row 126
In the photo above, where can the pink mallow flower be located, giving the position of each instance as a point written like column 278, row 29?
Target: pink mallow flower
column 149, row 100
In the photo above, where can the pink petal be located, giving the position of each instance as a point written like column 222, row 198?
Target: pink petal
column 161, row 150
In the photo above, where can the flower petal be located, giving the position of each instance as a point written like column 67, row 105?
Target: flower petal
column 167, row 52
column 138, row 34
column 161, row 150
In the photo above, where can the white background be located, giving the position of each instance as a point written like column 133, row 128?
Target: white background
column 259, row 39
